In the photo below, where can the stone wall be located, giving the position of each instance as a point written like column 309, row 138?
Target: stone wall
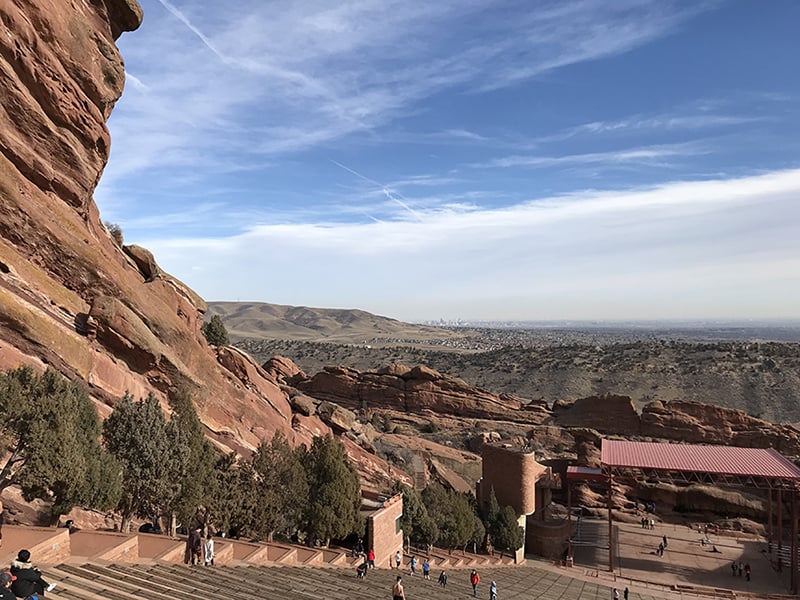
column 383, row 533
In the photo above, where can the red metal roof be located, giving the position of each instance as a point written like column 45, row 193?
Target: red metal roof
column 718, row 460
column 585, row 473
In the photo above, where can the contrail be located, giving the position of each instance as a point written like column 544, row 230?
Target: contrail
column 389, row 194
column 183, row 19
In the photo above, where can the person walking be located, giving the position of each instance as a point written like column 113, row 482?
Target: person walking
column 413, row 565
column 398, row 559
column 625, row 594
column 397, row 589
column 615, row 595
column 664, row 539
column 443, row 579
column 741, row 569
column 747, row 571
column 733, row 568
column 426, row 569
column 493, row 590
column 371, row 558
column 474, row 579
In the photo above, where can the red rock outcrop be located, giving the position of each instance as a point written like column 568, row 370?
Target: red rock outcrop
column 694, row 422
column 409, row 389
column 608, row 413
column 70, row 297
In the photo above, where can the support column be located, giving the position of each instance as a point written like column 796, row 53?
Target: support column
column 793, row 577
column 569, row 502
column 780, row 519
column 610, row 528
column 769, row 519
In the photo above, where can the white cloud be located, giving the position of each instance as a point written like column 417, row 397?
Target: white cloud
column 645, row 155
column 725, row 248
column 297, row 75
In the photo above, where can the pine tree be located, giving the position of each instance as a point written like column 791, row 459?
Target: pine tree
column 54, row 431
column 136, row 434
column 281, row 486
column 334, row 494
column 215, row 332
column 195, row 477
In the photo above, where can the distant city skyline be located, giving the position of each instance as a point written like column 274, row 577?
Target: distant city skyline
column 489, row 160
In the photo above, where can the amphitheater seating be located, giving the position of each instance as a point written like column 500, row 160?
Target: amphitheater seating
column 125, row 581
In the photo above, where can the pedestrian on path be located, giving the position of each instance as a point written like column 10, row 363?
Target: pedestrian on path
column 664, row 539
column 426, row 569
column 625, row 594
column 734, row 568
column 398, row 558
column 493, row 590
column 741, row 569
column 397, row 589
column 615, row 595
column 371, row 558
column 474, row 579
column 413, row 565
column 747, row 571
column 208, row 551
column 443, row 579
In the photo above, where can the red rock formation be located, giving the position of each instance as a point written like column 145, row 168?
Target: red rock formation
column 694, row 422
column 412, row 390
column 70, row 297
column 608, row 413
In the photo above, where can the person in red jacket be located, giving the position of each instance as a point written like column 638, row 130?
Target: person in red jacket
column 474, row 579
column 371, row 558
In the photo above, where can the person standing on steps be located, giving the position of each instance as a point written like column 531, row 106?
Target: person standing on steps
column 397, row 589
column 426, row 569
column 615, row 595
column 443, row 579
column 398, row 559
column 493, row 590
column 208, row 551
column 371, row 558
column 474, row 579
column 413, row 565
column 625, row 594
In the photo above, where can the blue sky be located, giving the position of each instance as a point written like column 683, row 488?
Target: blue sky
column 484, row 159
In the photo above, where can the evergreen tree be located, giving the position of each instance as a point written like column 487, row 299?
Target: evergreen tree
column 234, row 504
column 281, row 486
column 215, row 331
column 416, row 523
column 195, row 461
column 53, row 433
column 136, row 434
column 454, row 516
column 334, row 495
column 509, row 535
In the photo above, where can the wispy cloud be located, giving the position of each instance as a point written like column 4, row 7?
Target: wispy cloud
column 683, row 241
column 305, row 74
column 645, row 155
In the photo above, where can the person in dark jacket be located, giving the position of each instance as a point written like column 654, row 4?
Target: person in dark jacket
column 5, row 586
column 28, row 578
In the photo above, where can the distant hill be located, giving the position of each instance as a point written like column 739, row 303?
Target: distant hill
column 260, row 320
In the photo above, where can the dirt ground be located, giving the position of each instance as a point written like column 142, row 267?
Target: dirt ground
column 687, row 560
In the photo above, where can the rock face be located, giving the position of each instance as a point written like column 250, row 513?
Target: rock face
column 411, row 390
column 70, row 297
column 608, row 413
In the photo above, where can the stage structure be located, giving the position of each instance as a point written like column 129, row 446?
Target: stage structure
column 636, row 462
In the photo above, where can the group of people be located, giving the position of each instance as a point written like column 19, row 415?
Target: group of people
column 200, row 541
column 23, row 580
column 615, row 594
column 739, row 568
column 398, row 592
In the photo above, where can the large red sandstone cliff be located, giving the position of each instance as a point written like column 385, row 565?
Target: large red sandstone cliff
column 70, row 297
